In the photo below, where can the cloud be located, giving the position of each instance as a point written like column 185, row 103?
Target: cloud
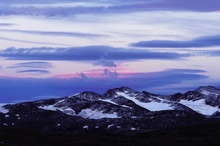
column 35, row 71
column 187, row 5
column 87, row 53
column 212, row 53
column 208, row 52
column 49, row 11
column 6, row 24
column 48, row 1
column 27, row 88
column 67, row 1
column 32, row 65
column 115, row 7
column 204, row 41
column 82, row 75
column 35, row 1
column 31, row 42
column 179, row 74
column 105, row 63
column 110, row 74
column 54, row 33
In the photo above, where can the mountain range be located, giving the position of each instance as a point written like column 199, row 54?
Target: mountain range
column 117, row 111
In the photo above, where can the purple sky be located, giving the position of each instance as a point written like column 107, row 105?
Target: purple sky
column 53, row 48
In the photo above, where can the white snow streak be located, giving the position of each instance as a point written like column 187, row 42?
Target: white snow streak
column 65, row 110
column 110, row 126
column 152, row 106
column 109, row 101
column 73, row 95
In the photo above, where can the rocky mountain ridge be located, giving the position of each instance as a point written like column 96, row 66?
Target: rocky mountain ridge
column 118, row 110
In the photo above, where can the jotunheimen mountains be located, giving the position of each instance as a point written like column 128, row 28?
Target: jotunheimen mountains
column 119, row 110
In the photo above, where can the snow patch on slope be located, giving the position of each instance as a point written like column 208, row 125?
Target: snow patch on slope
column 85, row 113
column 207, row 93
column 152, row 106
column 200, row 106
column 94, row 114
column 65, row 110
column 2, row 109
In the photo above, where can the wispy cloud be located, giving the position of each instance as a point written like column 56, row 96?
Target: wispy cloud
column 55, row 33
column 34, row 71
column 31, row 42
column 6, row 24
column 204, row 41
column 186, row 5
column 105, row 63
column 210, row 53
column 87, row 53
column 48, row 11
column 32, row 65
column 115, row 7
column 39, row 1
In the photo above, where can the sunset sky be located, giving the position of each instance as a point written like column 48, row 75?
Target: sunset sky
column 55, row 48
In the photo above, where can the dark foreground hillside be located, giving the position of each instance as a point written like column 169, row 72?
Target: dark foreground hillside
column 203, row 135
